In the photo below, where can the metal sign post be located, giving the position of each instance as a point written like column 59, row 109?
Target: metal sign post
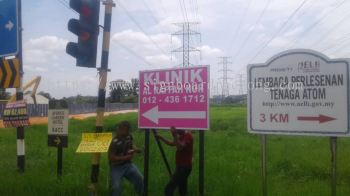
column 146, row 163
column 19, row 93
column 59, row 161
column 333, row 144
column 162, row 152
column 201, row 163
column 263, row 164
column 95, row 161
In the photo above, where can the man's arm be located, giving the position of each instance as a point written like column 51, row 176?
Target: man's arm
column 136, row 149
column 166, row 141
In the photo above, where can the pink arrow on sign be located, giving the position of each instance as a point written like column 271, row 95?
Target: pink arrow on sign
column 154, row 114
column 321, row 118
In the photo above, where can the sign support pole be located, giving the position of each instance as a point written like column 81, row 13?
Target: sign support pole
column 333, row 142
column 146, row 164
column 263, row 164
column 19, row 95
column 59, row 160
column 95, row 161
column 201, row 163
column 162, row 152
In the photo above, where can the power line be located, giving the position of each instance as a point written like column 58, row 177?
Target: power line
column 278, row 31
column 140, row 27
column 341, row 40
column 334, row 27
column 235, row 35
column 184, row 4
column 297, row 40
column 183, row 12
column 154, row 18
column 134, row 53
column 251, row 30
column 65, row 4
column 193, row 8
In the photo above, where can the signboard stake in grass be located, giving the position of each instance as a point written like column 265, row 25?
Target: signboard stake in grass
column 333, row 143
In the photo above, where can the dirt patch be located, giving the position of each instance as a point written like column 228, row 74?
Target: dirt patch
column 44, row 120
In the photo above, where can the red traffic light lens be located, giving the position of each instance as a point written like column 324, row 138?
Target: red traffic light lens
column 84, row 36
column 85, row 11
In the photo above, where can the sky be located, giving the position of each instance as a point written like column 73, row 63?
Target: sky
column 248, row 31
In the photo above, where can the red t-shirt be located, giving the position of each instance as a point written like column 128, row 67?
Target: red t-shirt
column 184, row 156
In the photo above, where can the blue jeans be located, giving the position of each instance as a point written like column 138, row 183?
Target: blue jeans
column 131, row 173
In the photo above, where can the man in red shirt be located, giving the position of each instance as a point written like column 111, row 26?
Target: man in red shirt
column 183, row 141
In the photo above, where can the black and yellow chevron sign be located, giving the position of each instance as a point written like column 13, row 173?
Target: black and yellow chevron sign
column 9, row 73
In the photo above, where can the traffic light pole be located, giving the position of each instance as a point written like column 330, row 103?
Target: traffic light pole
column 109, row 4
column 19, row 95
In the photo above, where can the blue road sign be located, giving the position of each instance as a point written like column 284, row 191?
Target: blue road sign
column 8, row 27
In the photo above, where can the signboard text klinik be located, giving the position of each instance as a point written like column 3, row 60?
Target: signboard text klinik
column 299, row 92
column 174, row 97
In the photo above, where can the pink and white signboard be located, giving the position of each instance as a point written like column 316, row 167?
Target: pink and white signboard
column 174, row 97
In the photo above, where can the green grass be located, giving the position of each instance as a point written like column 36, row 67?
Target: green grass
column 296, row 165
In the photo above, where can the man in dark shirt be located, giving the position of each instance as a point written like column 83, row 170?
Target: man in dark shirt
column 183, row 141
column 120, row 154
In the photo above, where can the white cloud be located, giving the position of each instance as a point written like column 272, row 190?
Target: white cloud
column 159, row 60
column 43, row 49
column 279, row 42
column 35, row 68
column 145, row 44
column 209, row 52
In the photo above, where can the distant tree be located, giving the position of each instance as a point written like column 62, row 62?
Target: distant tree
column 117, row 91
column 80, row 99
column 3, row 94
column 45, row 94
column 135, row 86
column 124, row 91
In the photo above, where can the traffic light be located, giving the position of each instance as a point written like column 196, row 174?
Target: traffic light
column 87, row 29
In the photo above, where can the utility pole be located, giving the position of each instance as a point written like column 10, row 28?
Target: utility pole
column 224, row 61
column 185, row 33
column 19, row 95
column 95, row 161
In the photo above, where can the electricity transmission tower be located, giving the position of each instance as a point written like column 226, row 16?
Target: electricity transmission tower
column 185, row 34
column 240, row 84
column 224, row 61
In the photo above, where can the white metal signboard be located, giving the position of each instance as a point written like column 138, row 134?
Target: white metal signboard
column 58, row 123
column 299, row 92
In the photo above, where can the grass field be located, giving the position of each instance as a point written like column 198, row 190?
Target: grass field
column 296, row 165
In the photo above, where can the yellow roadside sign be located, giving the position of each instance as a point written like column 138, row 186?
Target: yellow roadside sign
column 94, row 142
column 9, row 73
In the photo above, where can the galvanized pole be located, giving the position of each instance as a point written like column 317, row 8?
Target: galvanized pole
column 201, row 162
column 161, row 149
column 19, row 95
column 59, row 160
column 146, row 163
column 333, row 142
column 109, row 4
column 263, row 164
